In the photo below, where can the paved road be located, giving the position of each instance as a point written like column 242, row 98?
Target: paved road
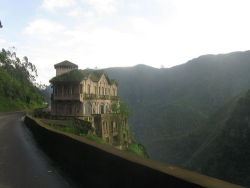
column 22, row 163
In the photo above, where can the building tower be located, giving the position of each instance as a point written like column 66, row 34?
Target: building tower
column 64, row 67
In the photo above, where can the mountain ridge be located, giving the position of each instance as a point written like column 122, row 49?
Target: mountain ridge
column 173, row 101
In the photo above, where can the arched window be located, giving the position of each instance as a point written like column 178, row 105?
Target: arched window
column 80, row 89
column 88, row 89
column 93, row 108
column 95, row 90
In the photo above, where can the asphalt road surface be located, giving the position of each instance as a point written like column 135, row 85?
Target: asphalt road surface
column 22, row 163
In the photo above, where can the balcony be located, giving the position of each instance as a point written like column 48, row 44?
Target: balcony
column 89, row 96
column 71, row 97
column 103, row 97
column 80, row 97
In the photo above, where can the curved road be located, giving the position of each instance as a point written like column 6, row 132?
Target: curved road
column 22, row 163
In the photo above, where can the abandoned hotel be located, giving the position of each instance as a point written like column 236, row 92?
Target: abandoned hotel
column 89, row 95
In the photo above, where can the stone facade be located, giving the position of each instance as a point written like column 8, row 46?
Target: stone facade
column 89, row 95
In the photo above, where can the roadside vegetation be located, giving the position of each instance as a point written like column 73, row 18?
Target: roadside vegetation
column 138, row 149
column 69, row 126
column 125, row 112
column 17, row 83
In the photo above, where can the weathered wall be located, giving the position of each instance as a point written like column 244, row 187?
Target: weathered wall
column 96, row 165
column 62, row 70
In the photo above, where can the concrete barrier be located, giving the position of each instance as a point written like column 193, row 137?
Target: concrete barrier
column 96, row 165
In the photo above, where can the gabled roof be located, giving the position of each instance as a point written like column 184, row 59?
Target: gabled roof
column 79, row 75
column 66, row 63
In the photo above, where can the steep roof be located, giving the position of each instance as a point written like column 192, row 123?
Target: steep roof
column 79, row 75
column 66, row 63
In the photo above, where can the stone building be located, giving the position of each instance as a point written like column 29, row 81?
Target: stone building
column 89, row 95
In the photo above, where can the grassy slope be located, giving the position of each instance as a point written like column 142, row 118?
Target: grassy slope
column 138, row 149
column 10, row 105
column 14, row 94
column 7, row 105
column 68, row 126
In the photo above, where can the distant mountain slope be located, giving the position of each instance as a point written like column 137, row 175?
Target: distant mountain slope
column 225, row 152
column 170, row 105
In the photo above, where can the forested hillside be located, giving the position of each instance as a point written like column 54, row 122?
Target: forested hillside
column 171, row 106
column 225, row 151
column 17, row 90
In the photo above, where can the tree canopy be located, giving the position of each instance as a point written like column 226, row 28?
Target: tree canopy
column 17, row 82
column 122, row 109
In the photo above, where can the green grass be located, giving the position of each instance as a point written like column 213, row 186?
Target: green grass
column 69, row 127
column 94, row 138
column 138, row 149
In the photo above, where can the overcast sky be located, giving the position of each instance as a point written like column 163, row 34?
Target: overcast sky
column 111, row 33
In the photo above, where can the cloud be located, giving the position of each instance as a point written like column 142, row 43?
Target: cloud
column 103, row 7
column 104, row 34
column 76, row 12
column 3, row 41
column 44, row 29
column 87, row 44
column 10, row 45
column 51, row 5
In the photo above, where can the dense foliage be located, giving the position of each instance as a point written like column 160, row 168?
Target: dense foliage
column 17, row 78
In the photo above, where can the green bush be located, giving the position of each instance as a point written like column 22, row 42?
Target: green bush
column 138, row 149
column 72, row 128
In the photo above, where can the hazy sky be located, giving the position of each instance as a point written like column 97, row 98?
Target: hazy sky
column 108, row 33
